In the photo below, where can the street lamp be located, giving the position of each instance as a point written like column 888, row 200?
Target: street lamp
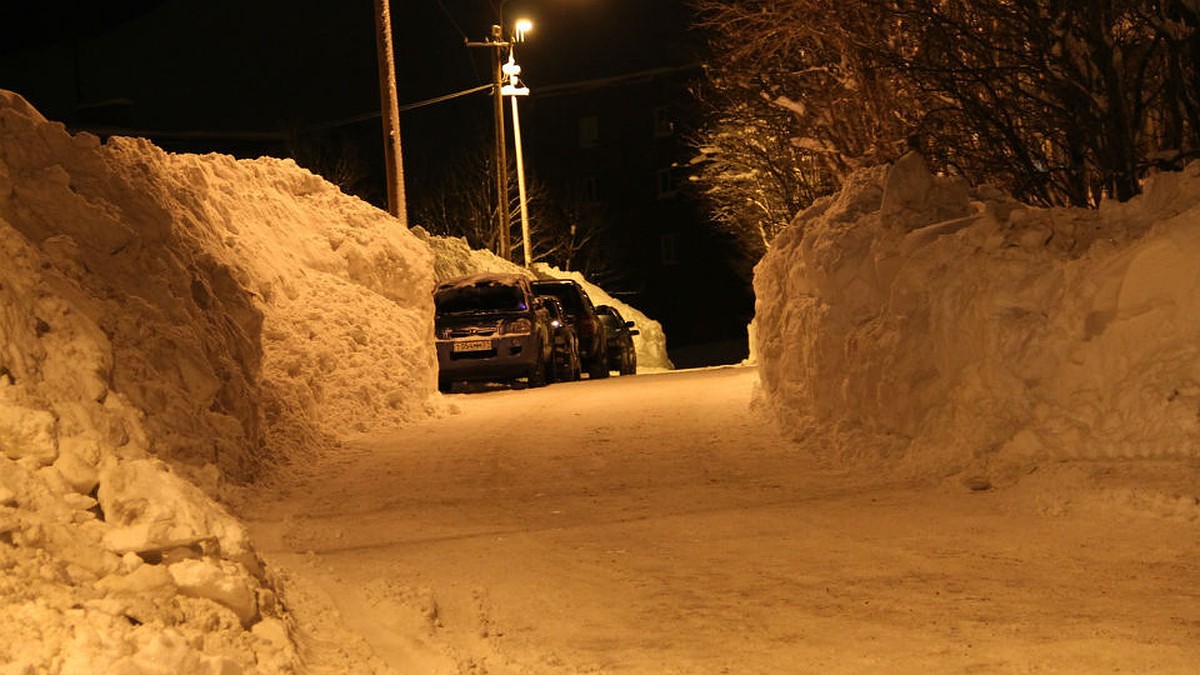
column 521, row 27
column 515, row 89
column 496, row 42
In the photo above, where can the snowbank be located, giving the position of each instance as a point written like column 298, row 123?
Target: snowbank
column 454, row 258
column 238, row 304
column 224, row 316
column 967, row 334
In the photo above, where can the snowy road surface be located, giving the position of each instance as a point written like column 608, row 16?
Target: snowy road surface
column 652, row 524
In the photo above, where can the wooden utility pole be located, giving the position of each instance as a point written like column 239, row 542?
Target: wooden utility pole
column 392, row 155
column 496, row 42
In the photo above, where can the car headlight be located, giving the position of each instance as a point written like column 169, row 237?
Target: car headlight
column 517, row 326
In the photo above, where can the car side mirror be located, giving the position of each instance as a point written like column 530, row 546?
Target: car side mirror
column 629, row 324
column 635, row 332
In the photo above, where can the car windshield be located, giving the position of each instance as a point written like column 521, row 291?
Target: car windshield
column 492, row 298
column 565, row 293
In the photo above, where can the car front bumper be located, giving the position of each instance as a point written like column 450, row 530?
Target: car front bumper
column 487, row 358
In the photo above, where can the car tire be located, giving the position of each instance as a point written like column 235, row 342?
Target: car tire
column 537, row 374
column 574, row 367
column 629, row 363
column 598, row 369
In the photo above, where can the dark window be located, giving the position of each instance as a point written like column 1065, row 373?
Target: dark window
column 670, row 249
column 570, row 298
column 665, row 187
column 663, row 126
column 589, row 131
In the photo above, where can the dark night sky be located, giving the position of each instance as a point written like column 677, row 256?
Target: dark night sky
column 233, row 76
column 232, row 65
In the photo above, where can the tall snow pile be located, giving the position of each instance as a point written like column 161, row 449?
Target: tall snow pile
column 453, row 257
column 167, row 321
column 965, row 333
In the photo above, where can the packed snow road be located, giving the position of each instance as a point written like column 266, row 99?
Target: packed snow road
column 655, row 524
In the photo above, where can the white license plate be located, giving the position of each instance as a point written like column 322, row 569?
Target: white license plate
column 472, row 346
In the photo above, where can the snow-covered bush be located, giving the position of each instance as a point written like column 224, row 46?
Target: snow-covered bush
column 966, row 333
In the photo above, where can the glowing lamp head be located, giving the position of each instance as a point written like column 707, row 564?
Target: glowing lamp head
column 522, row 27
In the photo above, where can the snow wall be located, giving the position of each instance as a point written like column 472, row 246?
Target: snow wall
column 453, row 258
column 238, row 306
column 226, row 316
column 947, row 330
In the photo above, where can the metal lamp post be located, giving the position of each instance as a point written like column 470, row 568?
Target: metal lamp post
column 515, row 89
column 496, row 42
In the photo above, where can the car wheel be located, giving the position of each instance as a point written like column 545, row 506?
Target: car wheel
column 574, row 367
column 629, row 363
column 537, row 374
column 599, row 366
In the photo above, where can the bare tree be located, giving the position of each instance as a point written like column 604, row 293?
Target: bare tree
column 336, row 157
column 1064, row 102
column 565, row 231
column 809, row 58
column 457, row 201
column 1061, row 102
column 751, row 175
column 571, row 234
column 793, row 102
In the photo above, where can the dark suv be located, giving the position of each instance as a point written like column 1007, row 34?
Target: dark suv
column 622, row 354
column 566, row 345
column 580, row 313
column 491, row 327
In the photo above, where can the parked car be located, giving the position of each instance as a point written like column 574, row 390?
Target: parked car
column 622, row 355
column 566, row 366
column 581, row 314
column 491, row 327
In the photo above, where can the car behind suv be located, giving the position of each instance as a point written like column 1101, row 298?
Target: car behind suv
column 566, row 345
column 581, row 314
column 622, row 354
column 491, row 327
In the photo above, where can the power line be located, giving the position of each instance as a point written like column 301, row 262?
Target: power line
column 445, row 97
column 364, row 117
column 450, row 18
column 458, row 28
